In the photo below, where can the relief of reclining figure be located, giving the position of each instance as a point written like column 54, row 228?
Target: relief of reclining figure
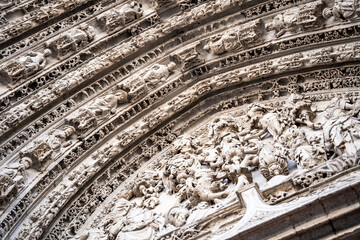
column 99, row 108
column 13, row 71
column 302, row 17
column 235, row 38
column 343, row 9
column 72, row 40
column 120, row 16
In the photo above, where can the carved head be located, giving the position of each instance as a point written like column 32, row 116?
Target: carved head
column 177, row 216
column 47, row 52
column 121, row 96
column 26, row 162
column 171, row 66
column 327, row 13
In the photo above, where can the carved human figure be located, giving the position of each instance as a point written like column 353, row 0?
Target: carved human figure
column 272, row 161
column 34, row 61
column 116, row 220
column 343, row 10
column 303, row 17
column 158, row 73
column 11, row 72
column 82, row 34
column 44, row 13
column 13, row 178
column 189, row 57
column 206, row 187
column 88, row 116
column 57, row 137
column 177, row 216
column 298, row 110
column 119, row 16
column 223, row 43
column 148, row 186
column 307, row 154
column 71, row 40
column 341, row 130
column 107, row 104
column 18, row 113
column 265, row 118
column 220, row 127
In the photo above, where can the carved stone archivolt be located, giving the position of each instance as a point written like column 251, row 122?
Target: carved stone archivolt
column 179, row 119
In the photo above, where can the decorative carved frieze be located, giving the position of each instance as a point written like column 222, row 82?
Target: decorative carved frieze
column 156, row 119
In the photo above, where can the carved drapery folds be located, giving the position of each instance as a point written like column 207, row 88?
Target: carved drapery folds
column 14, row 71
column 153, row 119
column 205, row 171
column 119, row 16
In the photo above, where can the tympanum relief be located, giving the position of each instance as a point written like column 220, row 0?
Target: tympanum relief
column 205, row 172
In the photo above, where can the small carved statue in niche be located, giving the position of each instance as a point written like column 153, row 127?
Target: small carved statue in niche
column 158, row 73
column 100, row 108
column 72, row 40
column 303, row 17
column 223, row 43
column 44, row 13
column 12, row 180
column 18, row 113
column 34, row 61
column 343, row 9
column 13, row 71
column 120, row 16
column 40, row 152
column 234, row 38
column 189, row 57
column 107, row 104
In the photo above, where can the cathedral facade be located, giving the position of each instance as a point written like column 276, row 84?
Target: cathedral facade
column 179, row 119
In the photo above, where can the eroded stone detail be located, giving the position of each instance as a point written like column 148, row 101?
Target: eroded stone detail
column 96, row 146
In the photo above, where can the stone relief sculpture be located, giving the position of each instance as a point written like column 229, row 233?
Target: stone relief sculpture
column 40, row 151
column 343, row 10
column 341, row 129
column 235, row 38
column 13, row 179
column 88, row 117
column 72, row 40
column 120, row 16
column 14, row 71
column 189, row 57
column 304, row 17
column 105, row 164
column 204, row 172
column 139, row 84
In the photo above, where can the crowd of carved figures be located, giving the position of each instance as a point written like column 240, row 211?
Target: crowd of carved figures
column 15, row 71
column 202, row 173
column 198, row 174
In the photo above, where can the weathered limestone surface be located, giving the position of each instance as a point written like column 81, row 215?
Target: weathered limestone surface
column 179, row 119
